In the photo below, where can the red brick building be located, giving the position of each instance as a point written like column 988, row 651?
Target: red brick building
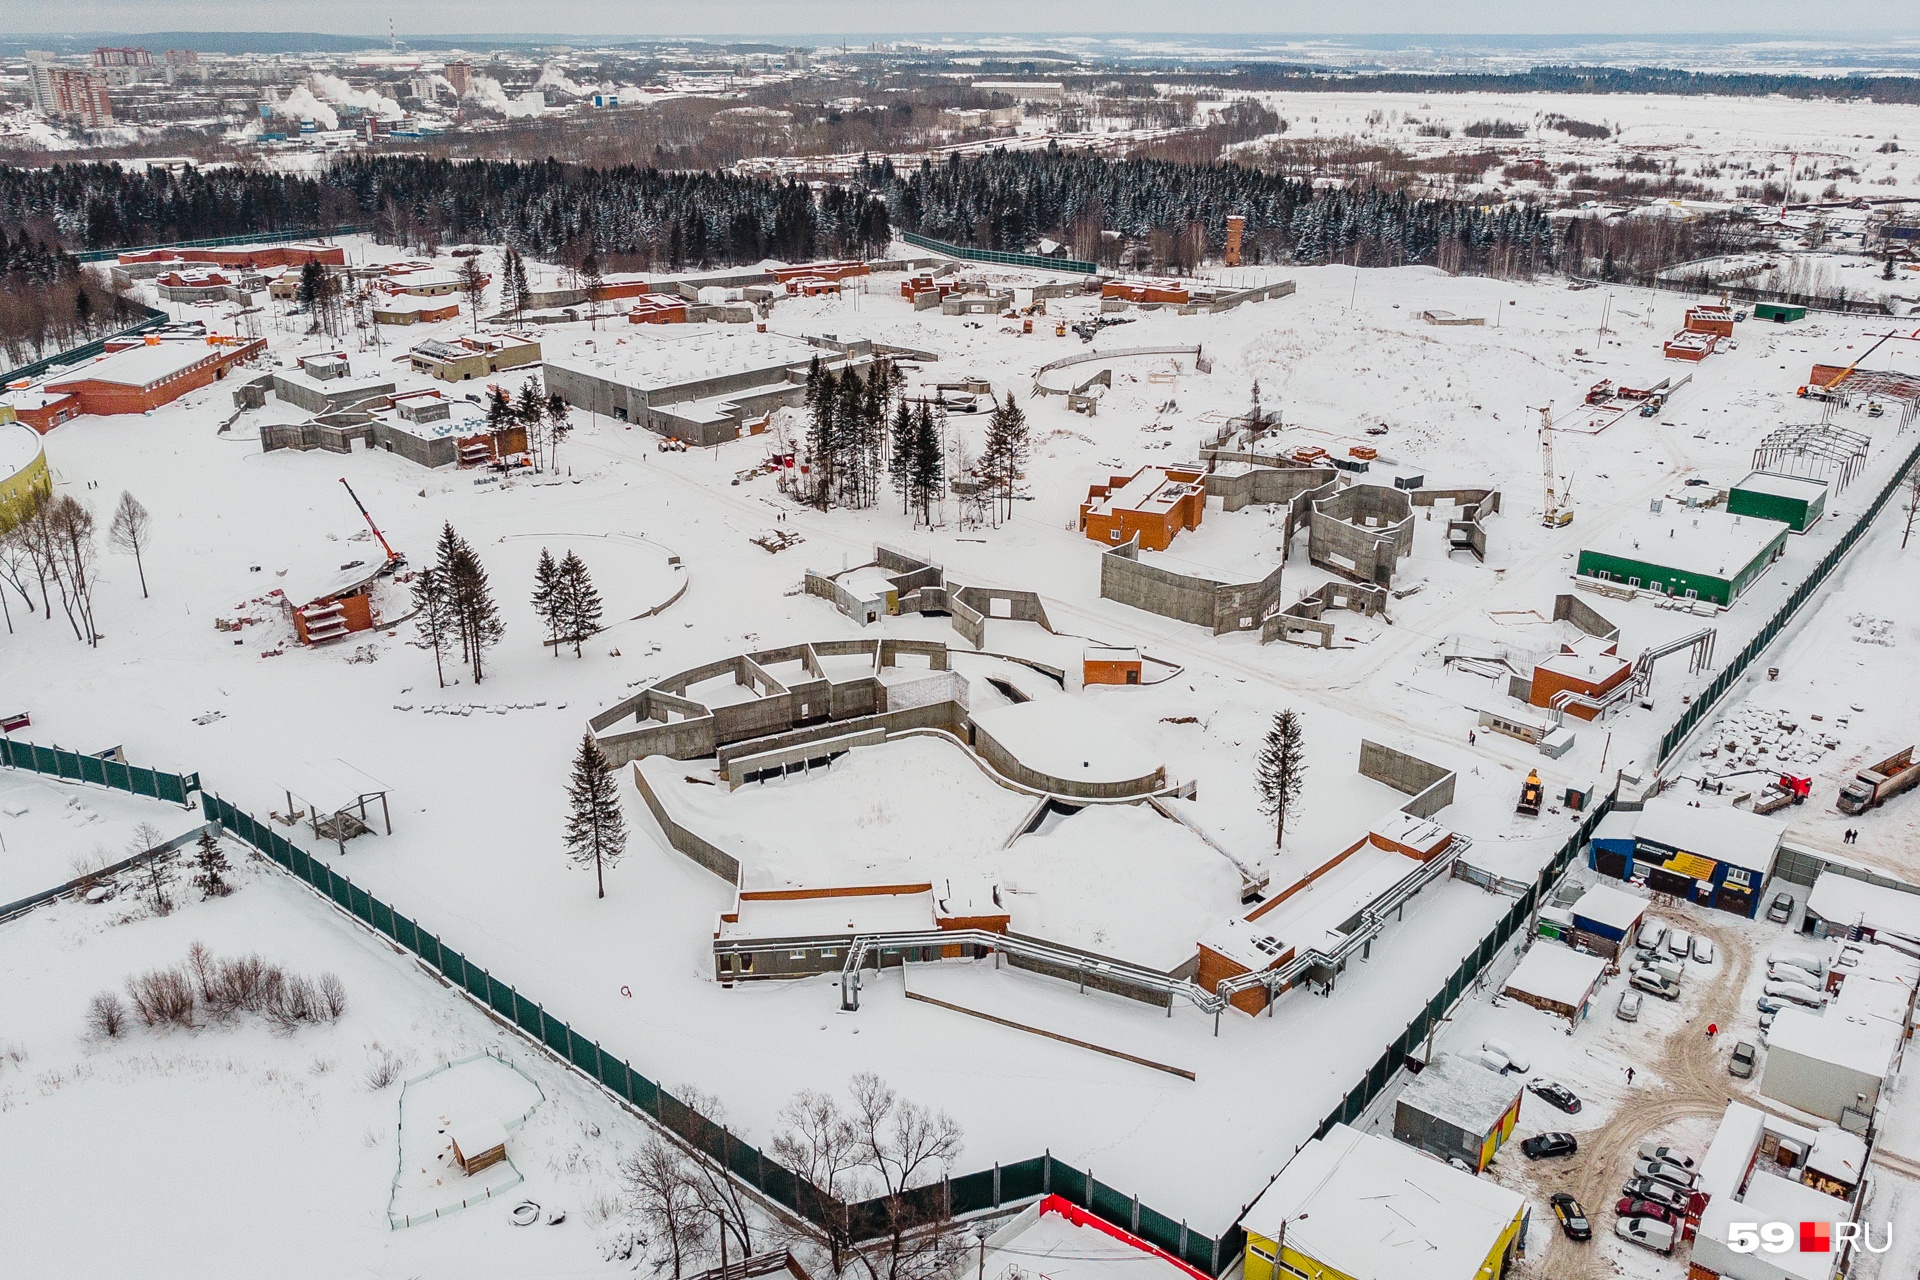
column 1154, row 504
column 135, row 378
column 1590, row 667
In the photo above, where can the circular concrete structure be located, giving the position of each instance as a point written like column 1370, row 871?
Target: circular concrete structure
column 23, row 465
column 1060, row 745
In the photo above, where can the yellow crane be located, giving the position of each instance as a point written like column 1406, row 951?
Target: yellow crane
column 1555, row 514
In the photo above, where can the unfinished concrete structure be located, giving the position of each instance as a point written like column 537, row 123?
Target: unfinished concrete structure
column 1466, row 528
column 895, row 582
column 1361, row 532
column 1221, row 607
column 1302, row 622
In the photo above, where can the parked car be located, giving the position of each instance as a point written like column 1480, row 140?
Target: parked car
column 1741, row 1064
column 1515, row 1062
column 1653, row 982
column 1631, row 1208
column 1767, row 1006
column 1781, row 971
column 1661, row 1193
column 1653, row 936
column 1702, row 949
column 1573, row 1219
column 1799, row 959
column 1490, row 1060
column 1780, row 910
column 1679, row 943
column 1628, row 1010
column 1797, row 993
column 1670, row 1155
column 1649, row 1233
column 1544, row 1146
column 1672, row 1174
column 1555, row 1095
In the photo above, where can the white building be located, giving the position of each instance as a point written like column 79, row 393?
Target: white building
column 1825, row 1062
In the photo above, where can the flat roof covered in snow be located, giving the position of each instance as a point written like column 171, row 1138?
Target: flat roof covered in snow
column 1728, row 835
column 1148, row 489
column 1730, row 1154
column 1771, row 1198
column 1375, row 1209
column 651, row 361
column 139, row 366
column 1800, row 488
column 1849, row 901
column 1460, row 1091
column 1699, row 540
column 1614, row 908
column 1058, row 1248
column 19, row 446
column 1557, row 974
column 1832, row 1038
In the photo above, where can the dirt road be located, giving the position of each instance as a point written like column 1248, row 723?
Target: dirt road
column 1685, row 1079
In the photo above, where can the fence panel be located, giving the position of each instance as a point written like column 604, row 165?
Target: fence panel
column 971, row 1192
column 1069, row 1182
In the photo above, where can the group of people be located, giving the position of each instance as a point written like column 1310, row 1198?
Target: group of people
column 1851, row 837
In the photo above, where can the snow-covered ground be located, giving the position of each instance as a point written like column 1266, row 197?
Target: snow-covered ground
column 477, row 795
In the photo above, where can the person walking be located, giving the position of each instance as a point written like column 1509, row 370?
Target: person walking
column 1713, row 1029
column 1629, row 1075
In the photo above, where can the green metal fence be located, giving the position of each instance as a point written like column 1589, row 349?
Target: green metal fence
column 222, row 242
column 86, row 350
column 1710, row 697
column 75, row 767
column 995, row 256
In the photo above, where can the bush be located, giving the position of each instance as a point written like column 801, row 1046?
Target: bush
column 333, row 997
column 383, row 1067
column 162, row 997
column 106, row 1016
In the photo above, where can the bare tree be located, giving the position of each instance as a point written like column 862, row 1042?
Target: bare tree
column 1913, row 509
column 720, row 1196
column 660, row 1192
column 887, row 1150
column 72, row 553
column 159, row 876
column 473, row 283
column 129, row 533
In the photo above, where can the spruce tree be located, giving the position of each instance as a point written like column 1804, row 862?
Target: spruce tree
column 529, row 410
column 433, row 616
column 822, row 437
column 520, row 287
column 1015, row 444
column 210, row 867
column 929, row 464
column 559, row 423
column 473, row 602
column 596, row 827
column 900, row 464
column 1281, row 769
column 547, row 603
column 579, row 599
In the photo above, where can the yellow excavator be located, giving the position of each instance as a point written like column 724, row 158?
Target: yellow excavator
column 1530, row 792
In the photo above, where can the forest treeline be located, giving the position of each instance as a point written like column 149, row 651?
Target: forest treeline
column 1576, row 79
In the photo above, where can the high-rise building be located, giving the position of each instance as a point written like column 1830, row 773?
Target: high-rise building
column 460, row 76
column 124, row 57
column 71, row 93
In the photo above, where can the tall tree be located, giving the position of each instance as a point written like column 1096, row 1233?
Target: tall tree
column 155, row 871
column 473, row 283
column 478, row 616
column 900, row 462
column 210, row 867
column 1281, row 770
column 593, row 283
column 530, row 410
column 580, row 602
column 929, row 462
column 128, row 533
column 547, row 601
column 433, row 616
column 596, row 828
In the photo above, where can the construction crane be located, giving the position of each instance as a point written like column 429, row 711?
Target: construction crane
column 1554, row 513
column 394, row 558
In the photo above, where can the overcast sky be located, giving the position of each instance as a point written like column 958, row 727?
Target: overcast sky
column 760, row 17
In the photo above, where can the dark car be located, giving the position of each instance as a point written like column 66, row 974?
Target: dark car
column 1657, row 1191
column 1573, row 1219
column 1631, row 1208
column 1543, row 1145
column 1556, row 1095
column 1780, row 910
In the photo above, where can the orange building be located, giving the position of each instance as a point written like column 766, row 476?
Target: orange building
column 1104, row 664
column 265, row 255
column 1690, row 344
column 337, row 610
column 1142, row 290
column 823, row 270
column 1590, row 666
column 658, row 308
column 1153, row 504
column 1715, row 320
column 136, row 377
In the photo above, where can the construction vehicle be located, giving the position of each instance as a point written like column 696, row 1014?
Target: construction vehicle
column 1530, row 793
column 1654, row 403
column 1555, row 514
column 1600, row 392
column 1875, row 785
column 1784, row 789
column 394, row 559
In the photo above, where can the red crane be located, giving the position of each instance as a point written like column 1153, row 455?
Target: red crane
column 394, row 558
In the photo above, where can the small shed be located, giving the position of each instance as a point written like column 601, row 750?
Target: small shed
column 1108, row 664
column 1798, row 500
column 1778, row 312
column 1457, row 1109
column 1605, row 919
column 477, row 1143
column 1557, row 980
column 335, row 798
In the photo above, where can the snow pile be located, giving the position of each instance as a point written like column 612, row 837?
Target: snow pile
column 338, row 91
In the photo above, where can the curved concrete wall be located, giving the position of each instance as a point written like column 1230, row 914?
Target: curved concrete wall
column 1011, row 766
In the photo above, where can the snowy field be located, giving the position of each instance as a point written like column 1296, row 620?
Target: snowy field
column 478, row 798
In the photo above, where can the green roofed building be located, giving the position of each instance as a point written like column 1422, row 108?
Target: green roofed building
column 1798, row 500
column 1690, row 552
column 1778, row 312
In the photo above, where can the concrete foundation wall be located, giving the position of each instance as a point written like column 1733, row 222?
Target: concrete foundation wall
column 1263, row 485
column 1097, row 974
column 1571, row 608
column 1008, row 765
column 704, row 852
column 1143, row 586
column 1361, row 532
column 1430, row 785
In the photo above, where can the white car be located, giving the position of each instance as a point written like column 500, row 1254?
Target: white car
column 1500, row 1048
column 1797, row 958
column 1628, row 1010
column 1668, row 1155
column 1649, row 1233
column 1793, row 973
column 1796, row 993
column 1653, row 936
column 1679, row 943
column 1702, row 949
column 1664, row 1171
column 1491, row 1061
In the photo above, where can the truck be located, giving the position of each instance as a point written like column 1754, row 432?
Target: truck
column 1879, row 783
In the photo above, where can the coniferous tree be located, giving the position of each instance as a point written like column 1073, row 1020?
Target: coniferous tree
column 596, row 827
column 1280, row 770
column 547, row 602
column 579, row 599
column 900, row 463
column 593, row 283
column 929, row 463
column 210, row 867
column 473, row 283
column 823, row 397
column 473, row 603
column 433, row 616
column 530, row 409
column 559, row 423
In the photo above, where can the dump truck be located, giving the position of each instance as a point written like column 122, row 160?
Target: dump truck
column 1530, row 791
column 1781, row 790
column 1881, row 782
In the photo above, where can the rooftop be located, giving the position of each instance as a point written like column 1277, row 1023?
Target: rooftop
column 1148, row 489
column 1607, row 905
column 1064, row 738
column 653, row 359
column 1376, row 1209
column 1461, row 1092
column 1849, row 901
column 1057, row 1240
column 138, row 366
column 1703, row 541
column 1723, row 834
column 1833, row 1038
column 1556, row 973
column 1773, row 1199
column 19, row 446
column 1802, row 488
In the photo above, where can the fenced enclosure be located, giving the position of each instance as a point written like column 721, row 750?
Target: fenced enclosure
column 995, row 256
